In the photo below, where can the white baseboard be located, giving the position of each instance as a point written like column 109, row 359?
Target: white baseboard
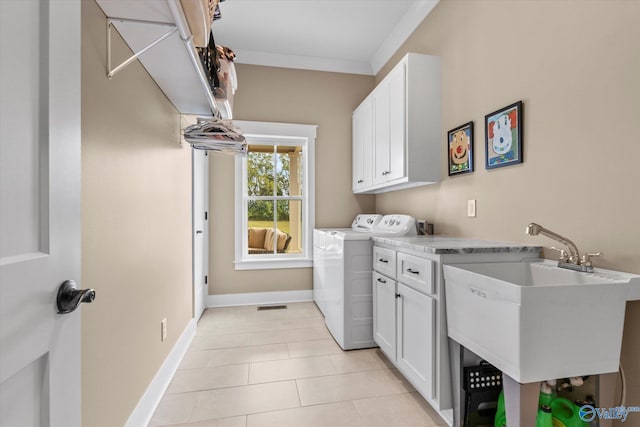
column 256, row 298
column 151, row 398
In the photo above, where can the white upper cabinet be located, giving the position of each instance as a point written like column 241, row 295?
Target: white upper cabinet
column 390, row 119
column 363, row 145
column 406, row 150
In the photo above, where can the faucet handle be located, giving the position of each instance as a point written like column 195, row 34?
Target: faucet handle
column 586, row 259
column 564, row 256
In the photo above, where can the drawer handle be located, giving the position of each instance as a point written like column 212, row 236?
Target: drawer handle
column 381, row 280
column 413, row 271
column 360, row 181
column 383, row 260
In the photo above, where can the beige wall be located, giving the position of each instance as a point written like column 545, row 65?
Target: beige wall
column 136, row 229
column 289, row 96
column 575, row 64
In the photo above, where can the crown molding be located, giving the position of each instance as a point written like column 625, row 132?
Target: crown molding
column 405, row 27
column 302, row 62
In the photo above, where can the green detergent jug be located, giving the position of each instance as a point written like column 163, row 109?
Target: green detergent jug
column 566, row 413
column 546, row 398
column 563, row 412
column 544, row 418
column 501, row 415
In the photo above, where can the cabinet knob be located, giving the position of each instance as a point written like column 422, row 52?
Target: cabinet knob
column 398, row 296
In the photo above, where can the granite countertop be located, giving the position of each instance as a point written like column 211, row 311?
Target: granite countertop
column 454, row 245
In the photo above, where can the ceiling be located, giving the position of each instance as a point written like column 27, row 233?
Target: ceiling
column 350, row 36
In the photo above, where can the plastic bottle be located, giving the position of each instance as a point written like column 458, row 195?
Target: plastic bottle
column 547, row 393
column 566, row 413
column 544, row 418
column 501, row 415
column 563, row 413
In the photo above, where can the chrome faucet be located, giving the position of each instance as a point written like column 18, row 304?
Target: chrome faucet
column 569, row 260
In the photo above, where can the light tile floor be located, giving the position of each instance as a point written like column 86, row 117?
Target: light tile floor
column 281, row 368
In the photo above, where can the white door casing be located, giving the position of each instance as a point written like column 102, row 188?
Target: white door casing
column 39, row 211
column 200, row 185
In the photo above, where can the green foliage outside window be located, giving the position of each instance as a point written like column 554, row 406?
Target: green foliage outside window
column 267, row 175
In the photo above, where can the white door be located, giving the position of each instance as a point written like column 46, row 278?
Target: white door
column 39, row 211
column 384, row 314
column 200, row 231
column 397, row 122
column 381, row 116
column 416, row 339
column 362, row 132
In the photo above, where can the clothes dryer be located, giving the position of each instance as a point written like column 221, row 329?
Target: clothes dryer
column 343, row 265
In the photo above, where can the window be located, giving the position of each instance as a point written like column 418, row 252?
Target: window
column 274, row 196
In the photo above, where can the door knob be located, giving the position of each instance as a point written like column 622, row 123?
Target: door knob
column 70, row 297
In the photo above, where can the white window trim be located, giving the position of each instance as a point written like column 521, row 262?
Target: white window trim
column 306, row 134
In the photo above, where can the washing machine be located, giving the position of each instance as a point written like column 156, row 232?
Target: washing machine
column 342, row 287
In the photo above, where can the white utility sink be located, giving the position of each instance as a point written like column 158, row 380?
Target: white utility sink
column 535, row 321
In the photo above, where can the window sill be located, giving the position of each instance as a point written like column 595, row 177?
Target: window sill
column 270, row 264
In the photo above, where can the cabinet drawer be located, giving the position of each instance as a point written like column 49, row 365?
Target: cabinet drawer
column 384, row 261
column 416, row 272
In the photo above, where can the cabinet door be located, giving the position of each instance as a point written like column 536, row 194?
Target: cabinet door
column 397, row 123
column 384, row 314
column 362, row 146
column 416, row 343
column 381, row 135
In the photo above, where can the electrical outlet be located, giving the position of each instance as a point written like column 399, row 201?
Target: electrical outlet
column 471, row 208
column 163, row 329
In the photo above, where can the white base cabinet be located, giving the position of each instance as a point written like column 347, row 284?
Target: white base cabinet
column 409, row 318
column 403, row 328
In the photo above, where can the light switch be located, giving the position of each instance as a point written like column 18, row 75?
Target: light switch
column 471, row 208
column 163, row 329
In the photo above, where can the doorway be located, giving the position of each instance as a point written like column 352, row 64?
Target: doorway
column 200, row 230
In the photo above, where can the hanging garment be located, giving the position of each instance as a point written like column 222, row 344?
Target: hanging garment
column 225, row 52
column 216, row 135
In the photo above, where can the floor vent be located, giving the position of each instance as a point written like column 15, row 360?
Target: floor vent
column 272, row 307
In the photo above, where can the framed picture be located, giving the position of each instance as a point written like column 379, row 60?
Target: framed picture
column 503, row 136
column 460, row 152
